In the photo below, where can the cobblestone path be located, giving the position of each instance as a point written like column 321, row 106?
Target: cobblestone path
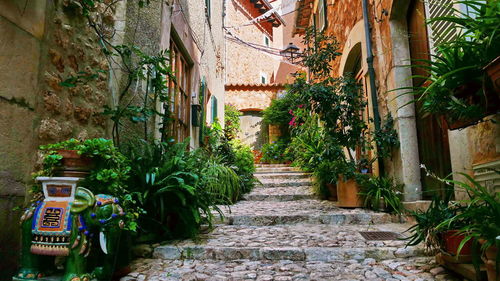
column 281, row 232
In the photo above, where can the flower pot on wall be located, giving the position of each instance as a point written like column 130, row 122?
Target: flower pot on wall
column 348, row 194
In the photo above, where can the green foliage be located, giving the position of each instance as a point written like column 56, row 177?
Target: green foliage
column 233, row 154
column 165, row 179
column 386, row 138
column 222, row 181
column 232, row 121
column 479, row 219
column 108, row 176
column 320, row 51
column 243, row 165
column 457, row 86
column 324, row 174
column 279, row 112
column 425, row 229
column 275, row 152
column 382, row 192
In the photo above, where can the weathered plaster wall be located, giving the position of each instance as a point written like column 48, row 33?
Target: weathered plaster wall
column 203, row 39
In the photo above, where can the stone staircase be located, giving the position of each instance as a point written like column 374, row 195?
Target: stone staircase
column 282, row 232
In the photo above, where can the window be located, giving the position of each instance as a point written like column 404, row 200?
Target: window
column 321, row 15
column 179, row 89
column 263, row 78
column 267, row 41
column 208, row 9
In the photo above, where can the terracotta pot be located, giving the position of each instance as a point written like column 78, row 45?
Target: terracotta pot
column 332, row 188
column 451, row 242
column 73, row 161
column 348, row 194
column 493, row 71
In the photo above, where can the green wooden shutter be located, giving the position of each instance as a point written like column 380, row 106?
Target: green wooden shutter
column 214, row 109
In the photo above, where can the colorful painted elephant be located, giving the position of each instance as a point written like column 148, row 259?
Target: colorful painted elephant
column 68, row 222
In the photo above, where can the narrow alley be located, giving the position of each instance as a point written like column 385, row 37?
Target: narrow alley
column 231, row 140
column 282, row 232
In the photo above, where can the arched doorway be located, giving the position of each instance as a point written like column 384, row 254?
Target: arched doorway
column 253, row 130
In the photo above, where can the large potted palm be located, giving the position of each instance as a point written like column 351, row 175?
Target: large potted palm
column 461, row 84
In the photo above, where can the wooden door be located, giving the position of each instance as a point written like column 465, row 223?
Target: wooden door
column 433, row 145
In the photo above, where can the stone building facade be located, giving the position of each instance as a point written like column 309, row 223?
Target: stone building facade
column 251, row 100
column 42, row 43
column 398, row 30
column 256, row 33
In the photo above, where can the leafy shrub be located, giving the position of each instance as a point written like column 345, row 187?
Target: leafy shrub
column 232, row 121
column 233, row 154
column 275, row 152
column 243, row 165
column 221, row 181
column 165, row 179
column 381, row 192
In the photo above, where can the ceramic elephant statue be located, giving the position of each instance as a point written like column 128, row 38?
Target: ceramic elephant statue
column 70, row 222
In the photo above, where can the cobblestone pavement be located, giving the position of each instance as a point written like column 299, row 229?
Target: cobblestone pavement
column 282, row 233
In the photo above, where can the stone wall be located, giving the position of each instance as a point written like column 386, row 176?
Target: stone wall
column 42, row 44
column 244, row 63
column 474, row 145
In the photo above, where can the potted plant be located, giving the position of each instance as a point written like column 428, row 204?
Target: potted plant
column 381, row 193
column 457, row 86
column 482, row 212
column 433, row 229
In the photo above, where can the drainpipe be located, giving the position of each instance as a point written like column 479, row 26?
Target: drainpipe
column 371, row 74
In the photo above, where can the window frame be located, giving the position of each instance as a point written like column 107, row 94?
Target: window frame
column 179, row 89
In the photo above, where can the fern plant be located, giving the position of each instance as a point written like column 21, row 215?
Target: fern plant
column 222, row 182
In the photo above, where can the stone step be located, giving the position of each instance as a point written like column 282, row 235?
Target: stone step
column 272, row 165
column 285, row 176
column 270, row 183
column 414, row 268
column 298, row 243
column 277, row 170
column 197, row 252
column 260, row 213
column 280, row 194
